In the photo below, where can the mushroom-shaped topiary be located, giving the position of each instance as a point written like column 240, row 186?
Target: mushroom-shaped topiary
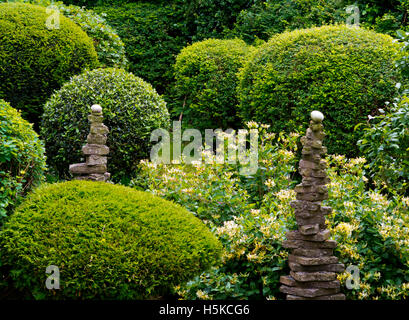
column 108, row 241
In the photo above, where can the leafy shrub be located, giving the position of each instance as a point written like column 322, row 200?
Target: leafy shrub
column 346, row 72
column 153, row 35
column 206, row 81
column 22, row 160
column 210, row 18
column 35, row 60
column 385, row 143
column 132, row 110
column 265, row 18
column 109, row 242
column 109, row 47
column 371, row 230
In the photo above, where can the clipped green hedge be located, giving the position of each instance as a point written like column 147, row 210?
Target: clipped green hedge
column 132, row 110
column 345, row 72
column 22, row 160
column 109, row 46
column 35, row 60
column 206, row 81
column 153, row 35
column 109, row 242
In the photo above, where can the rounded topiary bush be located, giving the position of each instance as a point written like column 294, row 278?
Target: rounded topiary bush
column 347, row 73
column 132, row 110
column 108, row 241
column 22, row 160
column 36, row 59
column 206, row 81
column 108, row 45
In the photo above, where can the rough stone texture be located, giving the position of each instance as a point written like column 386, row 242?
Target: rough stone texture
column 95, row 151
column 313, row 276
column 95, row 160
column 297, row 235
column 313, row 266
column 306, row 261
column 308, row 292
column 290, row 282
column 338, row 296
column 335, row 267
column 294, row 244
column 83, row 168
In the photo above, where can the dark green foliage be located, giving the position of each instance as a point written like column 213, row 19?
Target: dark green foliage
column 153, row 35
column 132, row 110
column 347, row 73
column 206, row 81
column 385, row 144
column 266, row 18
column 109, row 242
column 210, row 18
column 22, row 160
column 35, row 60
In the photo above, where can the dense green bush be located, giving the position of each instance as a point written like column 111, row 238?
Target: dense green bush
column 266, row 18
column 22, row 160
column 385, row 143
column 35, row 60
column 153, row 35
column 347, row 73
column 206, row 82
column 371, row 230
column 109, row 47
column 109, row 242
column 132, row 110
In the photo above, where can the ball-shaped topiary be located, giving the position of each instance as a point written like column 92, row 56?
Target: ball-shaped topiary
column 108, row 241
column 345, row 72
column 108, row 45
column 132, row 110
column 38, row 55
column 206, row 81
column 22, row 160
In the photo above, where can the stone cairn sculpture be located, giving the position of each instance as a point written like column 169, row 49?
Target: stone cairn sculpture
column 313, row 267
column 95, row 151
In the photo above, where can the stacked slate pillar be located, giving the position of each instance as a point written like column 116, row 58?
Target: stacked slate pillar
column 95, row 151
column 314, row 268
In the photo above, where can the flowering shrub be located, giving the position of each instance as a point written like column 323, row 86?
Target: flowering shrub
column 386, row 145
column 251, row 215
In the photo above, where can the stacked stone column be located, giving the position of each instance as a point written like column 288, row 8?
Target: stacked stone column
column 95, row 151
column 314, row 268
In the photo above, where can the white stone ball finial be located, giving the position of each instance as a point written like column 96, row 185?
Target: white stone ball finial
column 96, row 108
column 317, row 116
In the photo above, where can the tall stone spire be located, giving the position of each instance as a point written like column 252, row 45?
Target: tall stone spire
column 95, row 151
column 314, row 269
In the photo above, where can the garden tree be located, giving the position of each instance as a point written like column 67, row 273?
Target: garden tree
column 109, row 242
column 22, row 159
column 206, row 81
column 37, row 59
column 132, row 110
column 348, row 73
